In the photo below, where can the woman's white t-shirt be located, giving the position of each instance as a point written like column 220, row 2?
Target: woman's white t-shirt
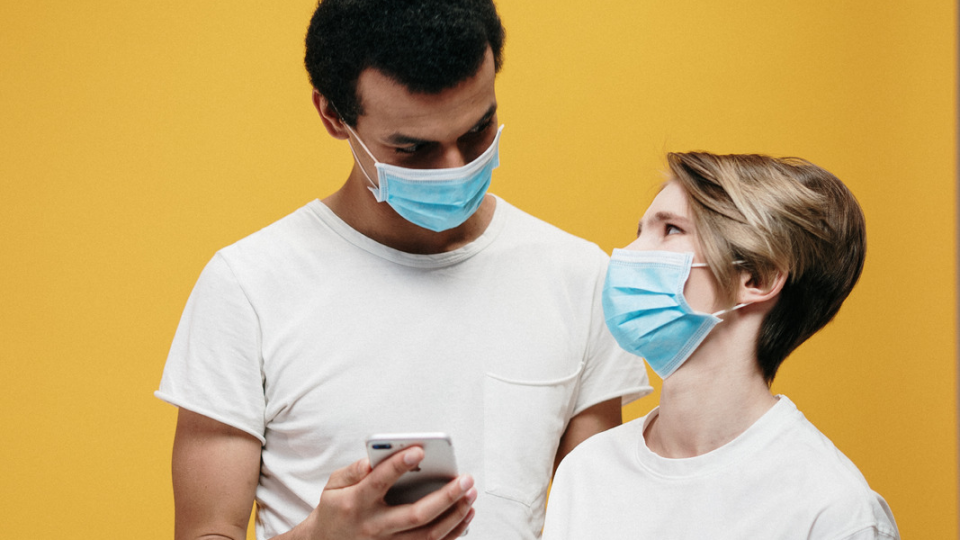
column 780, row 479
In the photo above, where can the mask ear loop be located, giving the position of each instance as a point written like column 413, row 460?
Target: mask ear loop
column 722, row 311
column 373, row 186
column 734, row 308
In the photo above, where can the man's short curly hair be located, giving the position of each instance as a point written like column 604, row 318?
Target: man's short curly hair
column 426, row 45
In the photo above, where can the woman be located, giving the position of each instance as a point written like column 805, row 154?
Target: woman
column 738, row 260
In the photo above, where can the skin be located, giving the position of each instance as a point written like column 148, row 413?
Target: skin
column 719, row 391
column 216, row 467
column 452, row 127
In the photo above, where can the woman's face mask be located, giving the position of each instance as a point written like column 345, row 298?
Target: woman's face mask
column 645, row 309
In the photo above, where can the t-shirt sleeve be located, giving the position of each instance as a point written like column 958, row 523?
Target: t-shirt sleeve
column 855, row 512
column 873, row 533
column 214, row 367
column 609, row 371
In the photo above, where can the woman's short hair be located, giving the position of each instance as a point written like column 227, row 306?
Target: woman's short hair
column 776, row 215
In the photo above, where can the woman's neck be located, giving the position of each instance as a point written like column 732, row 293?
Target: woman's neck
column 708, row 402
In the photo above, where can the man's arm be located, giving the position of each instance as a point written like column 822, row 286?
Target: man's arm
column 216, row 469
column 590, row 421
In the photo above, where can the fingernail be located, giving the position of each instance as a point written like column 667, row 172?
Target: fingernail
column 466, row 482
column 471, row 496
column 466, row 521
column 412, row 457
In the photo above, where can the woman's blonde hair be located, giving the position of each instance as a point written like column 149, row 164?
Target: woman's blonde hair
column 776, row 215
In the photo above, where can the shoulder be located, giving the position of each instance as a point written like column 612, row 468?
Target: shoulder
column 537, row 229
column 842, row 500
column 817, row 453
column 285, row 251
column 285, row 233
column 524, row 231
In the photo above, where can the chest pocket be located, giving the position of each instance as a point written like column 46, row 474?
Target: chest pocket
column 523, row 422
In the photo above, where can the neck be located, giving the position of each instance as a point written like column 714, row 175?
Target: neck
column 356, row 206
column 712, row 399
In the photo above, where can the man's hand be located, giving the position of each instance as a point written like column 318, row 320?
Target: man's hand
column 352, row 507
column 215, row 472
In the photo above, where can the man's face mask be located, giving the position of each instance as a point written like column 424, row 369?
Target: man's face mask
column 435, row 199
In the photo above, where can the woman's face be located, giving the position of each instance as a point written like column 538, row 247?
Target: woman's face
column 668, row 226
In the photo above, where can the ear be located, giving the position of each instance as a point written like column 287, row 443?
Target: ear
column 335, row 125
column 753, row 292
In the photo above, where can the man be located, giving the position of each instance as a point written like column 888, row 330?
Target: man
column 409, row 300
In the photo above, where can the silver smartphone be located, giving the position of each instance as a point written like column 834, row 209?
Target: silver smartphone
column 437, row 468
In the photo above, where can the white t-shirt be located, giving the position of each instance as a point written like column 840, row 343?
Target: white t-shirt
column 311, row 336
column 780, row 479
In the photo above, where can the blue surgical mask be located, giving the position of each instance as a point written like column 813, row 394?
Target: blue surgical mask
column 646, row 312
column 435, row 199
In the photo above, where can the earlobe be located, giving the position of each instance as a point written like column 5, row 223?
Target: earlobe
column 753, row 292
column 330, row 117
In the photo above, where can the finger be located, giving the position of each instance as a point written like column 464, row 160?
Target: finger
column 455, row 522
column 385, row 474
column 435, row 507
column 452, row 524
column 350, row 475
column 462, row 528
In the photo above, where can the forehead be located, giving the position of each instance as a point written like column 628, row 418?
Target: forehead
column 672, row 199
column 388, row 106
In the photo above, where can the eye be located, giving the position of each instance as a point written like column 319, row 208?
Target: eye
column 482, row 127
column 672, row 229
column 412, row 149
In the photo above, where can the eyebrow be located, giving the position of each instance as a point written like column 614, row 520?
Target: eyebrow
column 399, row 139
column 661, row 217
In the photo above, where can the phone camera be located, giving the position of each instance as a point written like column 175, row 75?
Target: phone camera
column 382, row 446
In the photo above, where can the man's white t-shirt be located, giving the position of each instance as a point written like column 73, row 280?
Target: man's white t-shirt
column 780, row 479
column 310, row 336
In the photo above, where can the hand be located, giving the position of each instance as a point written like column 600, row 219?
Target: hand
column 352, row 507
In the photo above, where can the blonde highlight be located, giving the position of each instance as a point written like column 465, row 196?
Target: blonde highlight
column 775, row 215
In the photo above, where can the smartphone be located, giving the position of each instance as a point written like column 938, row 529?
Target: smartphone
column 437, row 468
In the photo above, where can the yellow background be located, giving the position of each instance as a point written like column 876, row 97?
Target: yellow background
column 136, row 138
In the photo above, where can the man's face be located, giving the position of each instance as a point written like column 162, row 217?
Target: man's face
column 426, row 131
